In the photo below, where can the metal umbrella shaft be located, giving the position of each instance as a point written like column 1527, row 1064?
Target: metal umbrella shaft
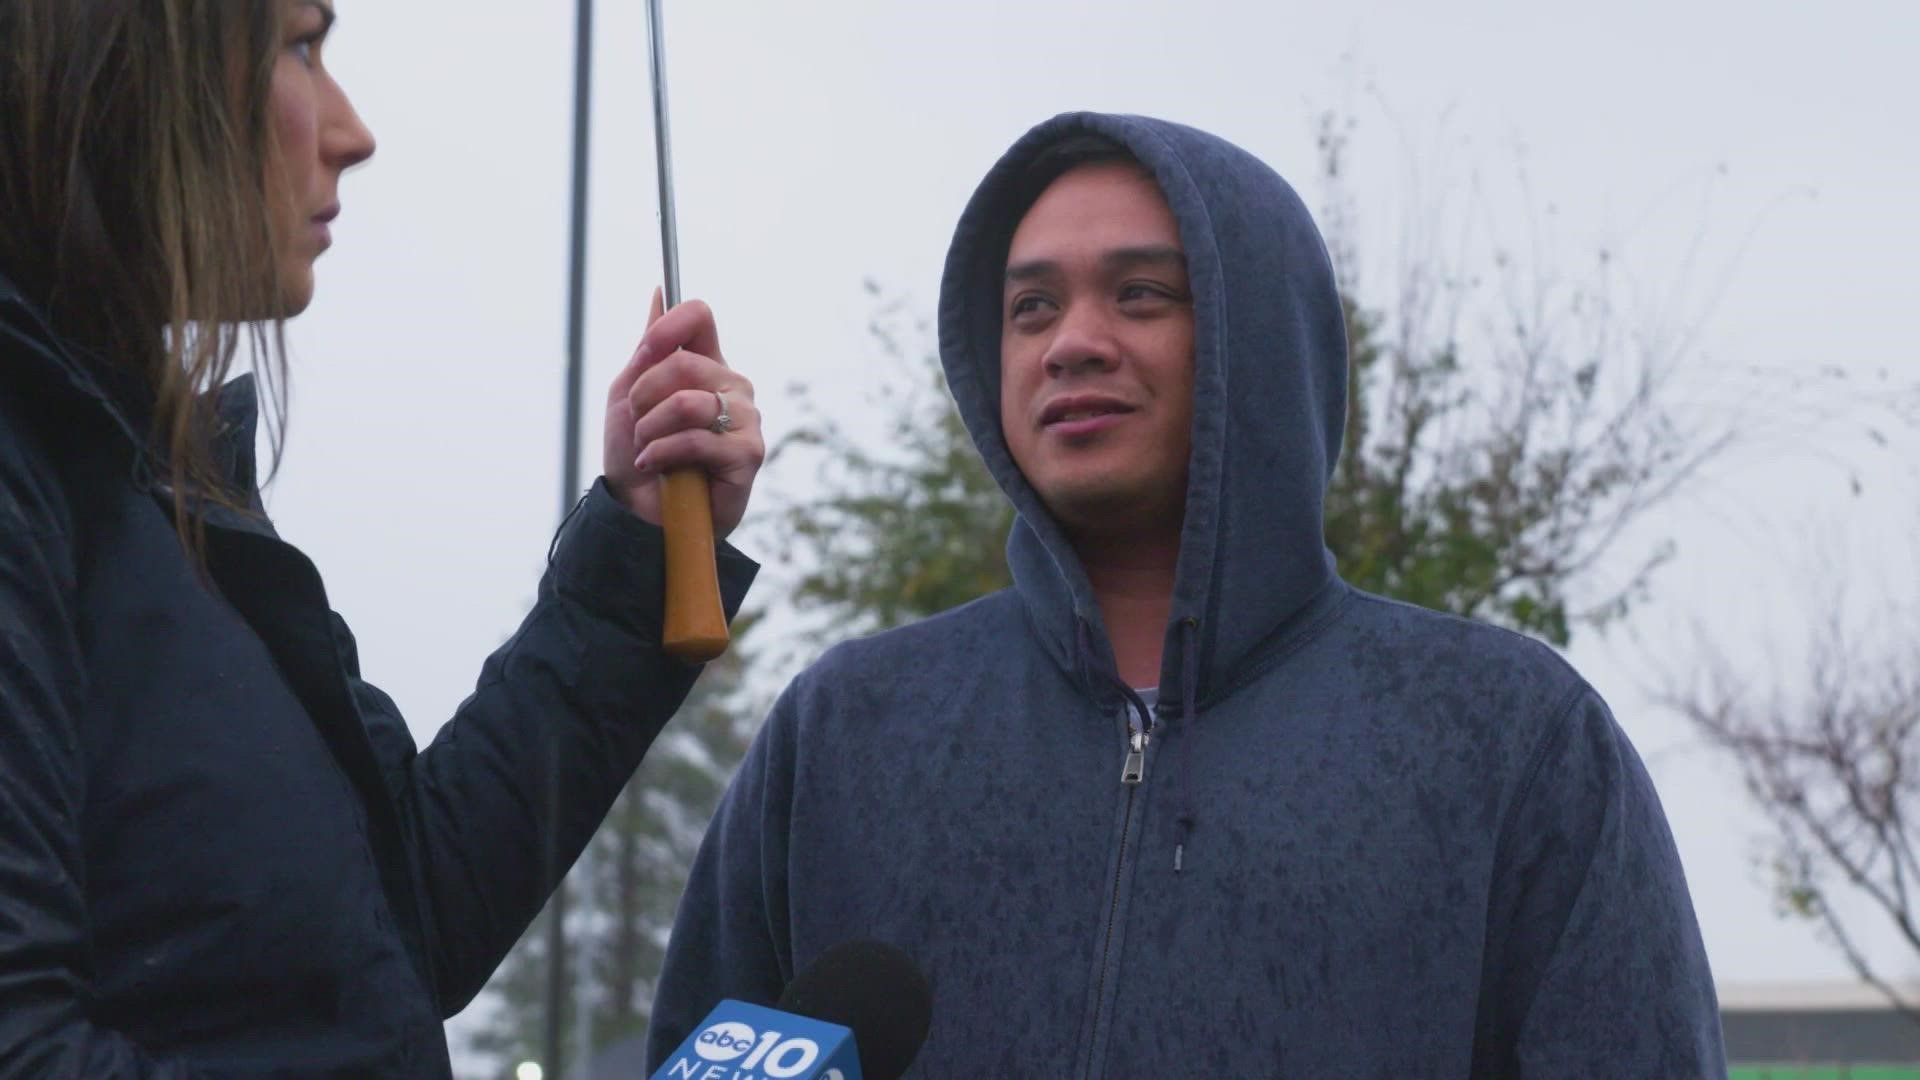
column 662, row 152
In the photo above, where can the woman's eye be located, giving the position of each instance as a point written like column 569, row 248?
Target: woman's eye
column 302, row 50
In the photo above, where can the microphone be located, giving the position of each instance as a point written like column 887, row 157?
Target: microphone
column 860, row 1011
column 874, row 989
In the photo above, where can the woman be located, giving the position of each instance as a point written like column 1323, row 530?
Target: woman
column 220, row 853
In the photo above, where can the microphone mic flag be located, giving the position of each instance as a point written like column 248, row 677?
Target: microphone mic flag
column 860, row 1011
column 738, row 1041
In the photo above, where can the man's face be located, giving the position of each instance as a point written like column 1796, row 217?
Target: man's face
column 1096, row 353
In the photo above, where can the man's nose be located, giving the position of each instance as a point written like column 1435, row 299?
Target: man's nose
column 1083, row 343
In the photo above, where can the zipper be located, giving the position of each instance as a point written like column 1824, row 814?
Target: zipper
column 1136, row 765
column 1132, row 772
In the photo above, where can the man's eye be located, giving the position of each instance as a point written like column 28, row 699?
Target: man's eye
column 1137, row 291
column 1027, row 304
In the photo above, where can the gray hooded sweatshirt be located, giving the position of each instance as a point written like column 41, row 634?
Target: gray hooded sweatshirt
column 1365, row 839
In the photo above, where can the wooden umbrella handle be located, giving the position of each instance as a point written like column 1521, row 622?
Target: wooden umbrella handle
column 696, row 624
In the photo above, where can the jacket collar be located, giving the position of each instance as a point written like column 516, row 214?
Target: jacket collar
column 39, row 358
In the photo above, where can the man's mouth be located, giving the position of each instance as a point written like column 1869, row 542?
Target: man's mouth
column 1080, row 409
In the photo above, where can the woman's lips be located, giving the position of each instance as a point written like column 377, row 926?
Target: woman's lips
column 321, row 226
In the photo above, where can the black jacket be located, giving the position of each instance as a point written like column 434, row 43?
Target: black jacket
column 220, row 852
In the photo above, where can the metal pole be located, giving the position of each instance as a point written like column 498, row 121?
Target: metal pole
column 553, row 1053
column 663, row 157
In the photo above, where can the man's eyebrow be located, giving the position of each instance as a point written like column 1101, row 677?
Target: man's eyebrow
column 1118, row 258
column 1032, row 269
column 1150, row 254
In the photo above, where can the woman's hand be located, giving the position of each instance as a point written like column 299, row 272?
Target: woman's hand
column 661, row 412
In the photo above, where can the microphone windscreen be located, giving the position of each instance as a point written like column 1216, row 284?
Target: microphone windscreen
column 873, row 989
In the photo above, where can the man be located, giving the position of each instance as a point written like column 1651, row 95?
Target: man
column 1181, row 802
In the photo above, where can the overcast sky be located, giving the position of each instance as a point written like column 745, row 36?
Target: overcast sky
column 1751, row 164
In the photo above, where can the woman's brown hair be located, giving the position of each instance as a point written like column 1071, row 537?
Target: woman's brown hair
column 135, row 204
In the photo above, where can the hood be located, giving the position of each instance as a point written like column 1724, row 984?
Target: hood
column 1269, row 405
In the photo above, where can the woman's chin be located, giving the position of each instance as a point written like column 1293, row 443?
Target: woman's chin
column 296, row 291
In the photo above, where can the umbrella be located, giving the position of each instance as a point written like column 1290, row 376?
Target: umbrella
column 695, row 627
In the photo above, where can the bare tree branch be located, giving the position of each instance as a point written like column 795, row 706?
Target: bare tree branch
column 1832, row 769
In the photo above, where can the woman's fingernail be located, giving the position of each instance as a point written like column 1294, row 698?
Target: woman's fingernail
column 642, row 353
column 640, row 465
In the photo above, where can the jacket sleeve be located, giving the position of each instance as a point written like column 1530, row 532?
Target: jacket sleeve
column 730, row 937
column 45, row 939
column 511, row 790
column 1595, row 965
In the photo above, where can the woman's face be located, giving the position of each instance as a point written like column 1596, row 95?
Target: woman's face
column 318, row 137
